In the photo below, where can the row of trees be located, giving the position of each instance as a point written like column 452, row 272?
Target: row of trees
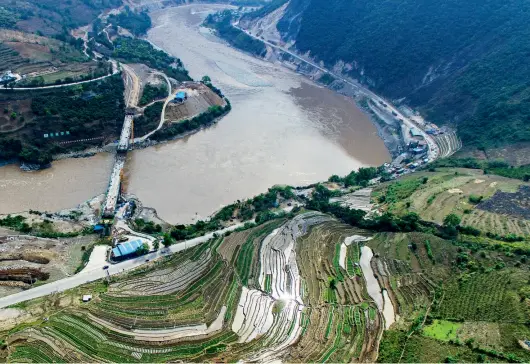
column 195, row 123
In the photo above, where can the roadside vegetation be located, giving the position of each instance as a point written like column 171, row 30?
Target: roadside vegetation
column 150, row 119
column 152, row 93
column 222, row 23
column 90, row 110
column 136, row 50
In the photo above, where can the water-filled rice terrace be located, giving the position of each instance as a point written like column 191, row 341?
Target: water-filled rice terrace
column 294, row 290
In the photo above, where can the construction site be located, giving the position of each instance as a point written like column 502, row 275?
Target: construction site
column 195, row 98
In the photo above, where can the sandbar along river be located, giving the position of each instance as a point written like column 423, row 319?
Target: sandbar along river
column 282, row 130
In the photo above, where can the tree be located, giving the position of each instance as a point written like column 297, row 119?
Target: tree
column 168, row 240
column 13, row 115
column 144, row 249
column 156, row 245
column 452, row 220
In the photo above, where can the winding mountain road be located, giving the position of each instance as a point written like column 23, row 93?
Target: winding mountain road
column 433, row 147
column 115, row 69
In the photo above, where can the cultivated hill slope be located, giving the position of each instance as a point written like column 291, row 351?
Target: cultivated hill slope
column 303, row 289
column 461, row 62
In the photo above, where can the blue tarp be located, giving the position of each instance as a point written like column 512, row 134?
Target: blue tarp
column 98, row 227
column 181, row 95
column 127, row 248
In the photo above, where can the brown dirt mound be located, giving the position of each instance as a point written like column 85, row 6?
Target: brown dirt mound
column 27, row 275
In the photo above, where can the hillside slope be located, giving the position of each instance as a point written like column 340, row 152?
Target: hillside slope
column 461, row 63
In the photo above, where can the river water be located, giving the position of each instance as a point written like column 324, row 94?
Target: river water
column 282, row 130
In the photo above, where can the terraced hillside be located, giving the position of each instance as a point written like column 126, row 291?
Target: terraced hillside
column 304, row 289
column 41, row 60
column 278, row 290
column 490, row 203
column 455, row 303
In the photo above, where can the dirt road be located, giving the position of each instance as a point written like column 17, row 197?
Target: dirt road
column 132, row 86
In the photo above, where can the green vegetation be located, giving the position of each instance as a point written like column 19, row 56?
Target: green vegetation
column 185, row 126
column 361, row 177
column 52, row 17
column 85, row 258
column 498, row 167
column 85, row 111
column 141, row 51
column 484, row 297
column 152, row 93
column 398, row 45
column 150, row 119
column 326, row 79
column 442, row 330
column 221, row 22
column 147, row 227
column 136, row 22
column 44, row 229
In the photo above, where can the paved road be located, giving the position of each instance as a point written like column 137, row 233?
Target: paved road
column 114, row 71
column 171, row 95
column 96, row 273
column 433, row 148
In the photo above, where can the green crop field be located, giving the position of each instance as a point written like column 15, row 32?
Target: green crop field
column 442, row 330
column 141, row 316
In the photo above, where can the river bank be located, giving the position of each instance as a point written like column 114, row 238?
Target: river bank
column 390, row 136
column 282, row 129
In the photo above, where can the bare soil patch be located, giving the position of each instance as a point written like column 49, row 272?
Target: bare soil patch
column 512, row 204
column 200, row 98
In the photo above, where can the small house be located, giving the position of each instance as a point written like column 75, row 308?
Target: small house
column 181, row 96
column 415, row 132
column 126, row 249
column 87, row 297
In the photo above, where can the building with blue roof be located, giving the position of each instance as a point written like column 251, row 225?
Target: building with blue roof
column 415, row 132
column 180, row 96
column 126, row 249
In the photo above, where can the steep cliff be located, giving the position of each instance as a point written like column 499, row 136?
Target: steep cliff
column 463, row 63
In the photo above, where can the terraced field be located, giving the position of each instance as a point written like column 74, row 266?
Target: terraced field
column 449, row 143
column 304, row 289
column 447, row 192
column 484, row 307
column 280, row 290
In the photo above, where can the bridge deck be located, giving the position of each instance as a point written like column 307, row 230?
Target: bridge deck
column 113, row 191
column 123, row 144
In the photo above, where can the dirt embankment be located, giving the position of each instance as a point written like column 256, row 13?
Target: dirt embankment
column 199, row 99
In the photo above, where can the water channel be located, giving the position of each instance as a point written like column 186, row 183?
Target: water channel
column 282, row 129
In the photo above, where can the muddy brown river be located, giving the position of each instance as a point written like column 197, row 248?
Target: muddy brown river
column 282, row 129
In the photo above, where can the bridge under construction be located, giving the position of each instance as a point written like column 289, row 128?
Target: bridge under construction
column 114, row 188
